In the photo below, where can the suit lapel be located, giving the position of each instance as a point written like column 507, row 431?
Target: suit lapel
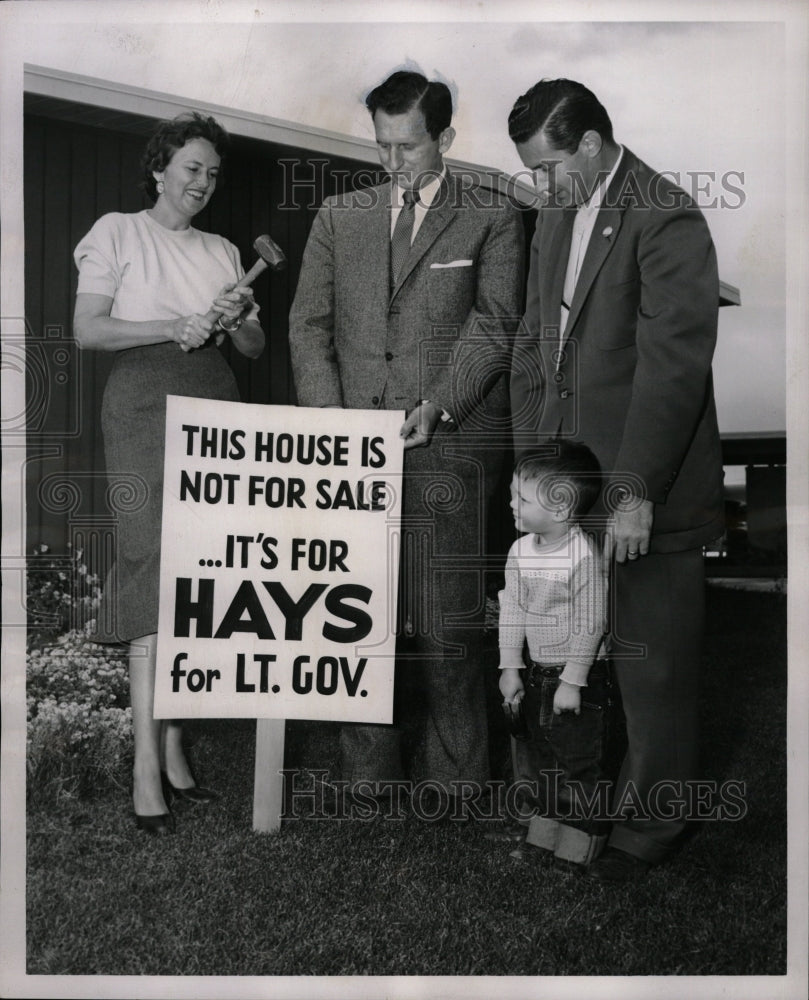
column 602, row 239
column 436, row 220
column 598, row 249
column 558, row 234
column 372, row 244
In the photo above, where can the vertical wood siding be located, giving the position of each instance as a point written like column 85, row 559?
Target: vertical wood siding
column 75, row 173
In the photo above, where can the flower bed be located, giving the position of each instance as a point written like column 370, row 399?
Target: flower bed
column 77, row 690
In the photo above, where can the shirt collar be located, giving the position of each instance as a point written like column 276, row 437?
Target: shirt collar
column 427, row 193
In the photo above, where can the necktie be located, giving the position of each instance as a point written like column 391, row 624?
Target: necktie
column 402, row 234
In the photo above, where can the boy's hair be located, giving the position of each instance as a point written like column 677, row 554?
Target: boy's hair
column 569, row 472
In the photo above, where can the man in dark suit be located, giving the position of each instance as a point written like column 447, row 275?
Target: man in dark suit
column 408, row 299
column 616, row 350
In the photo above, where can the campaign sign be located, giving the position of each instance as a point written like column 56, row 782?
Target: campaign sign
column 279, row 562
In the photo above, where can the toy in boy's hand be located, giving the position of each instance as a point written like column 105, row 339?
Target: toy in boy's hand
column 515, row 719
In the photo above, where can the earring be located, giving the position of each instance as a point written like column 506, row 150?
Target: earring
column 160, row 187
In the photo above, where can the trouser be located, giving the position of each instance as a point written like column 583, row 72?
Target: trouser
column 439, row 730
column 658, row 609
column 558, row 765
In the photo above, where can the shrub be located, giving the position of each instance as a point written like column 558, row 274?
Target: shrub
column 77, row 752
column 77, row 691
column 61, row 593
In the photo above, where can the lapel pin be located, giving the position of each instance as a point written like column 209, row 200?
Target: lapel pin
column 607, row 232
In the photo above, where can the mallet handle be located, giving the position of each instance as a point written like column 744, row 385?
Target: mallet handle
column 271, row 255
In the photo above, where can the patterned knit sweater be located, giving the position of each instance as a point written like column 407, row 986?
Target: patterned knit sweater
column 555, row 597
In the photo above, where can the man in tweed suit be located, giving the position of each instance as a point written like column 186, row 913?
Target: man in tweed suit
column 408, row 299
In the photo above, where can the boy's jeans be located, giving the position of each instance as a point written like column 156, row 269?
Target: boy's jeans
column 562, row 757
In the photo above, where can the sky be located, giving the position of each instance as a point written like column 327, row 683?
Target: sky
column 700, row 100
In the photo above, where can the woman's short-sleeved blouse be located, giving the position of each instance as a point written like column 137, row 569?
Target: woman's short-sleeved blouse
column 151, row 272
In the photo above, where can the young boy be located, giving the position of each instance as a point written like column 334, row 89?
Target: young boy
column 554, row 601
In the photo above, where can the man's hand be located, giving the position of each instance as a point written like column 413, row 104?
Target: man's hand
column 420, row 425
column 511, row 686
column 567, row 698
column 629, row 530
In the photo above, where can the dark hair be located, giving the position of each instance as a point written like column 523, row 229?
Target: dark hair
column 568, row 471
column 169, row 136
column 563, row 109
column 403, row 91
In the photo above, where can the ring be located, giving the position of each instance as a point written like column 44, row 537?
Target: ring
column 631, row 552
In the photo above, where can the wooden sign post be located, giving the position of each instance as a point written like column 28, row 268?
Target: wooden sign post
column 270, row 607
column 268, row 782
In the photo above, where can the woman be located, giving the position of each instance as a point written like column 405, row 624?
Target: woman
column 146, row 282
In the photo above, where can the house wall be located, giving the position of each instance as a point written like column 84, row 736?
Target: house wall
column 74, row 173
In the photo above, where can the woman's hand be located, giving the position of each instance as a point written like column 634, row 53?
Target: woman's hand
column 191, row 332
column 233, row 303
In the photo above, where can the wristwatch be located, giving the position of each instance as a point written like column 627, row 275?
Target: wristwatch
column 229, row 329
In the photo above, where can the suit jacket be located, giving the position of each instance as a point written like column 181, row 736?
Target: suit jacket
column 633, row 378
column 443, row 333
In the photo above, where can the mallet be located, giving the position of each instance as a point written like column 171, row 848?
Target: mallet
column 270, row 255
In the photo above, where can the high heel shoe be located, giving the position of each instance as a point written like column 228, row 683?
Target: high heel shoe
column 160, row 825
column 194, row 794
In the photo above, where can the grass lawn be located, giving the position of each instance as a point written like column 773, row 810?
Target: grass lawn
column 407, row 897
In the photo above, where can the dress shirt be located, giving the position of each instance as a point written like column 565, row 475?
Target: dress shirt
column 426, row 196
column 582, row 231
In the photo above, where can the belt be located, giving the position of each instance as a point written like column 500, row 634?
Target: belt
column 534, row 671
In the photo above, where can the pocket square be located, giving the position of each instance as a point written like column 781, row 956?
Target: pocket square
column 454, row 263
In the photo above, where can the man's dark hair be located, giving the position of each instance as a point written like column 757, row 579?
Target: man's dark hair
column 169, row 136
column 567, row 471
column 403, row 91
column 563, row 109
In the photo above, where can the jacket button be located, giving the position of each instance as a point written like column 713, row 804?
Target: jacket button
column 564, row 393
column 375, row 400
column 388, row 356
